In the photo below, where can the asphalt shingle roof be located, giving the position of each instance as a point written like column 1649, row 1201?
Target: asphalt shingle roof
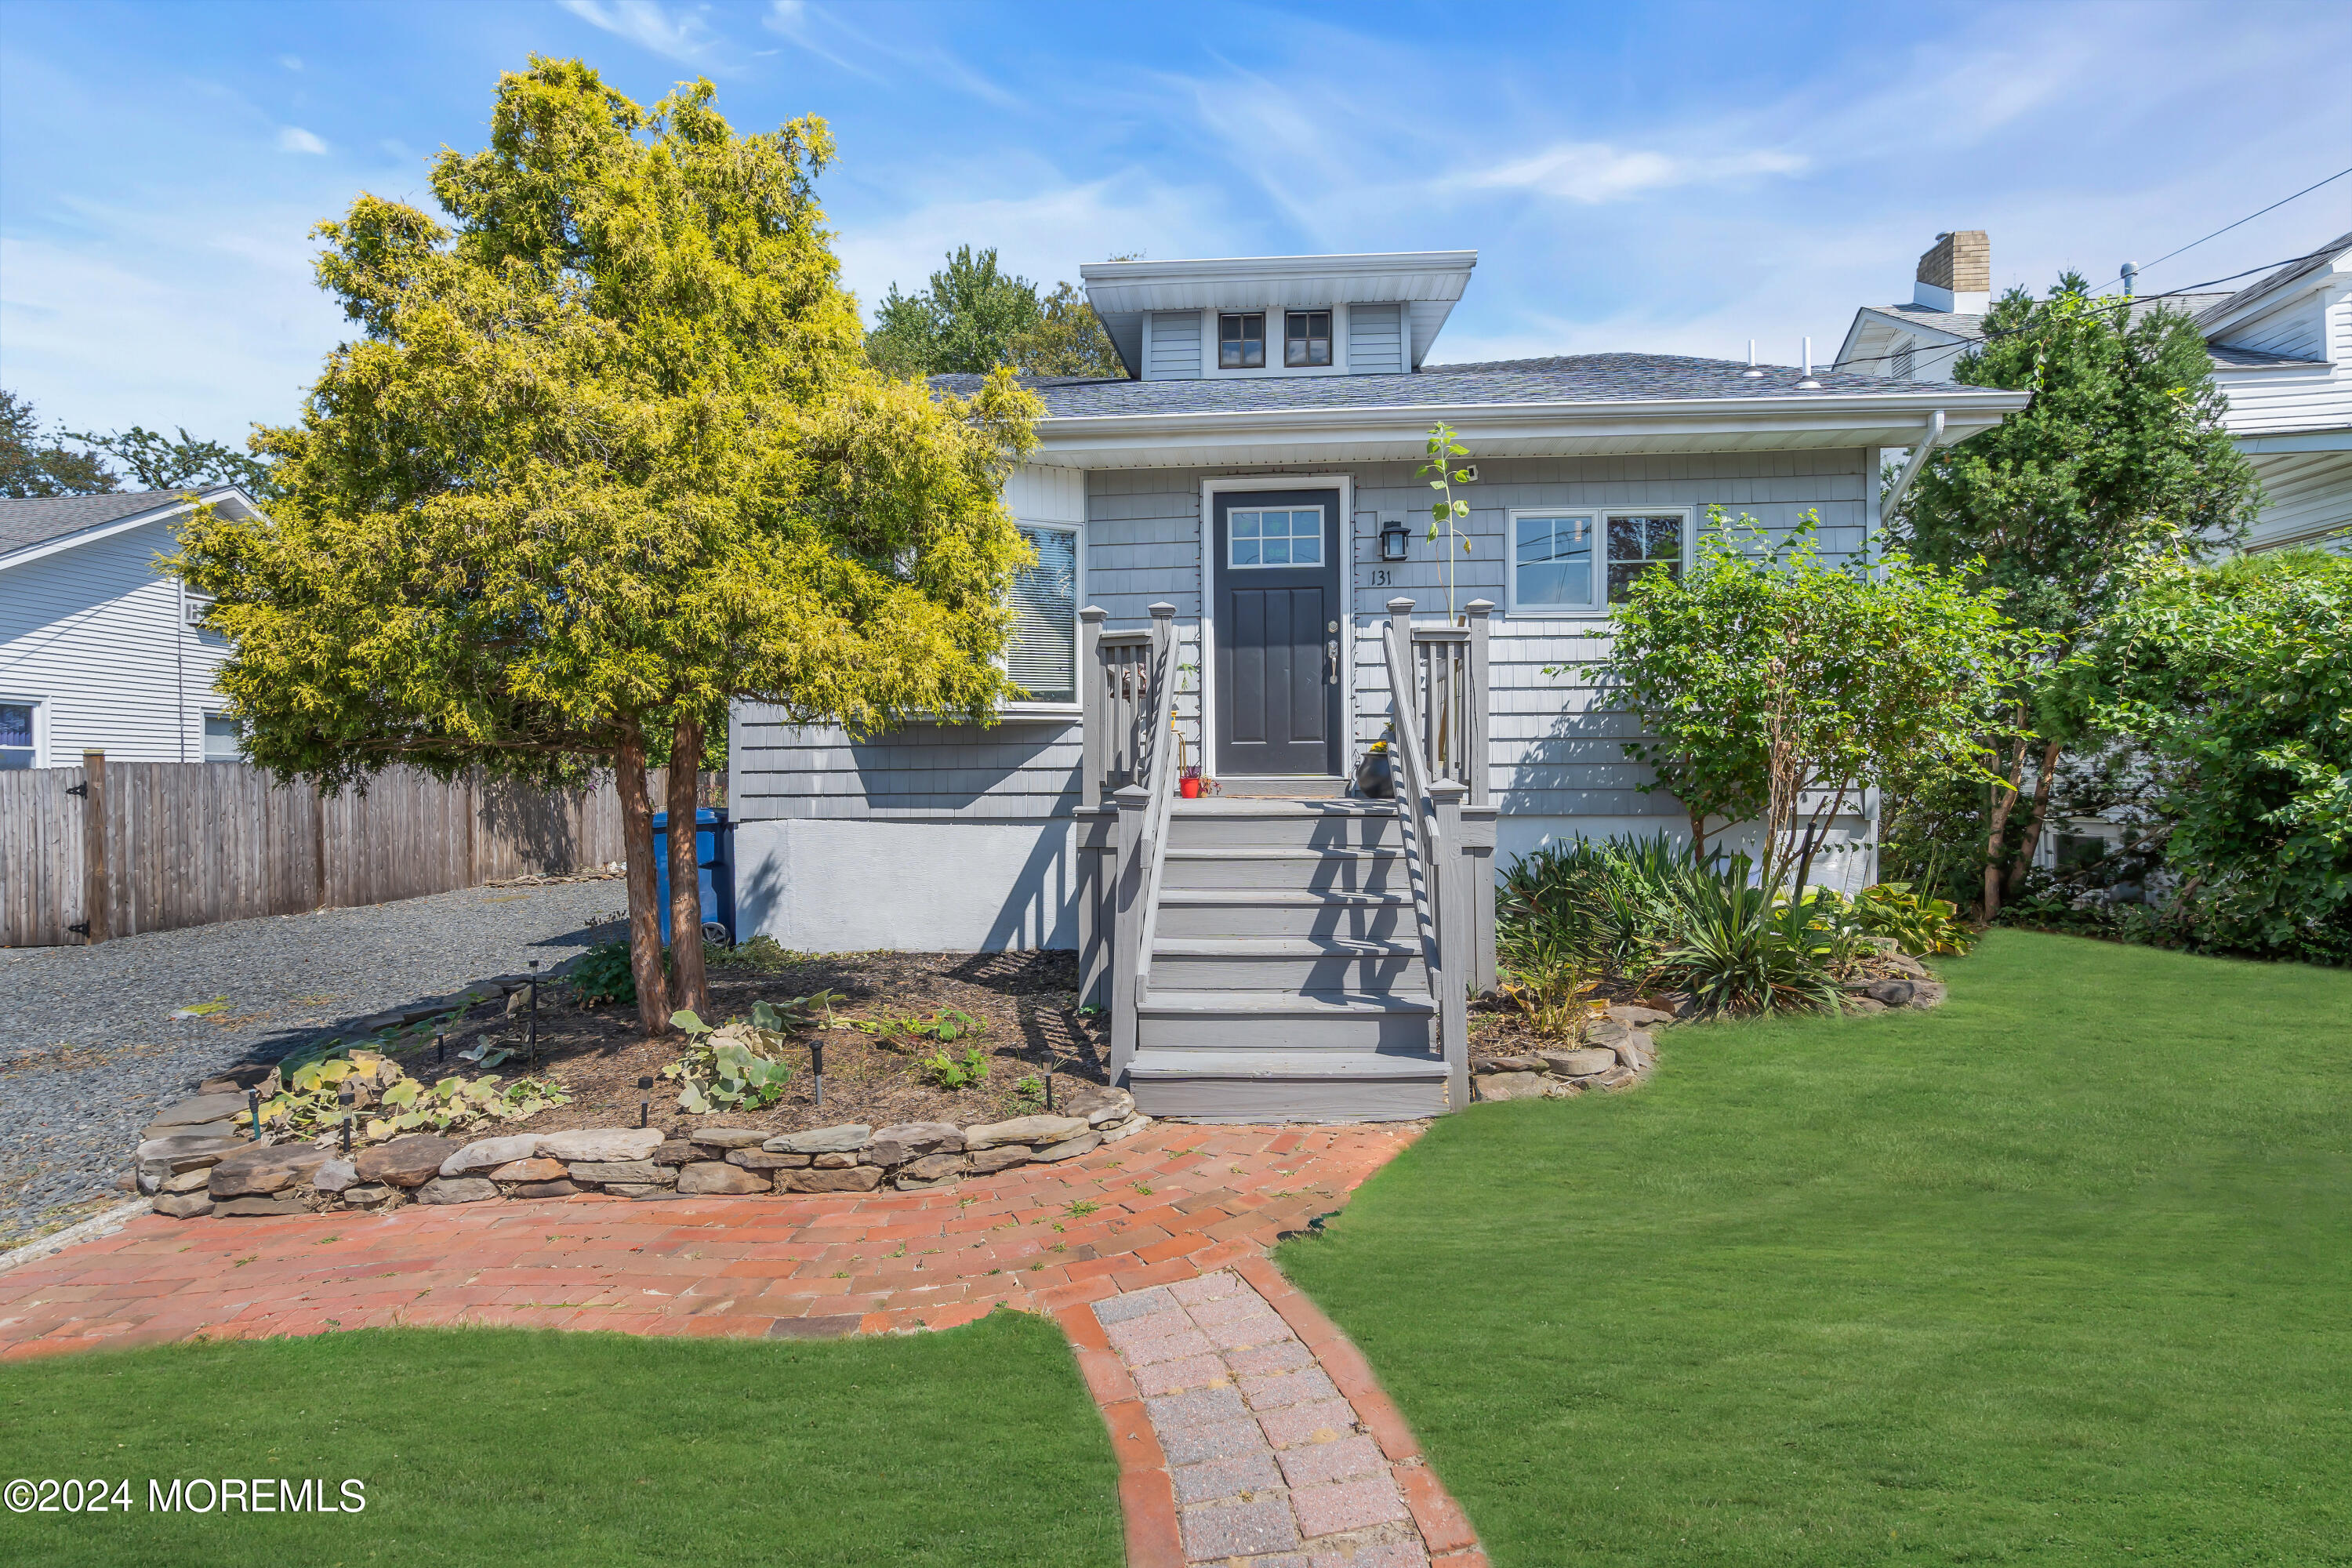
column 43, row 518
column 1574, row 378
column 2301, row 266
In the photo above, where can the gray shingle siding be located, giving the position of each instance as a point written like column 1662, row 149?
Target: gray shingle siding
column 1375, row 339
column 1555, row 740
column 1175, row 341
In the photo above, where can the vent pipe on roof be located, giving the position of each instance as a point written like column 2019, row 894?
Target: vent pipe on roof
column 1809, row 383
column 1751, row 371
column 2131, row 279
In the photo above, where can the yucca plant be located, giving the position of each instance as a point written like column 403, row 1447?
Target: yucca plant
column 1738, row 949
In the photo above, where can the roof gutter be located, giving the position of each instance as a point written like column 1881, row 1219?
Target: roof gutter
column 1911, row 469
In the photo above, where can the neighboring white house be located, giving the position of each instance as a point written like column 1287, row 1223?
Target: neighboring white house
column 2281, row 352
column 99, row 649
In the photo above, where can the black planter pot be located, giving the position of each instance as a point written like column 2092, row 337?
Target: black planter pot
column 1373, row 779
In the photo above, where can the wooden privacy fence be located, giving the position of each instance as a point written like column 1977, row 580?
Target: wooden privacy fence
column 186, row 843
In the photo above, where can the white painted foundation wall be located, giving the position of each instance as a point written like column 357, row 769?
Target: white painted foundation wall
column 836, row 886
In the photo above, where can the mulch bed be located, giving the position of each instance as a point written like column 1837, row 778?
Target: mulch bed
column 1026, row 1003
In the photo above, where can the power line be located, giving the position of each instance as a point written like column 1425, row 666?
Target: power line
column 2249, row 218
column 1929, row 352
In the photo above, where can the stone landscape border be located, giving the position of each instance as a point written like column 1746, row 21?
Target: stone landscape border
column 190, row 1177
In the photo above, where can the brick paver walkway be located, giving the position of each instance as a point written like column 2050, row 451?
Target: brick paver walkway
column 1167, row 1231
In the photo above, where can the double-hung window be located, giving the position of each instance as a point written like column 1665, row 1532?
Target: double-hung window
column 1574, row 561
column 1240, row 339
column 1307, row 337
column 222, row 737
column 1042, row 655
column 18, row 746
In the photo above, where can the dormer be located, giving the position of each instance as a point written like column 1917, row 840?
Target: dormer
column 1257, row 316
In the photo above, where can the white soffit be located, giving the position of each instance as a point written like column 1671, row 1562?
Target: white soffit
column 1426, row 281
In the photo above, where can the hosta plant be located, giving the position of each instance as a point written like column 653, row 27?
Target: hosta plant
column 1919, row 926
column 951, row 1072
column 738, row 1065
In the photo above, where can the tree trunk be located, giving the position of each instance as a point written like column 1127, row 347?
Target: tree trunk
column 644, row 916
column 2034, row 824
column 688, row 987
column 2004, row 798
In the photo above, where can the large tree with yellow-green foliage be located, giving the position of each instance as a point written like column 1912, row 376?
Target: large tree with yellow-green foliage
column 606, row 454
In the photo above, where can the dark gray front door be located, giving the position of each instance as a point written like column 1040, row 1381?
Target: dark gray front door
column 1279, row 609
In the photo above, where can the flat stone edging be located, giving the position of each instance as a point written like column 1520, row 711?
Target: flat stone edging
column 190, row 1177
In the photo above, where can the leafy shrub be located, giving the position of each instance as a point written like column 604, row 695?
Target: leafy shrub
column 1546, row 979
column 1921, row 927
column 1738, row 951
column 602, row 975
column 736, row 1066
column 949, row 1072
column 763, row 954
column 309, row 1102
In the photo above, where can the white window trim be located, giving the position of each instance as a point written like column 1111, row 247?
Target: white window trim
column 1274, row 326
column 1211, row 570
column 1321, row 526
column 204, row 741
column 40, row 706
column 1046, row 710
column 1600, row 515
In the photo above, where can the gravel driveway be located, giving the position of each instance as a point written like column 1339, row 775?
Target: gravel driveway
column 88, row 1050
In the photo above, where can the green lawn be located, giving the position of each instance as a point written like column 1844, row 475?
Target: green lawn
column 977, row 1446
column 2060, row 1273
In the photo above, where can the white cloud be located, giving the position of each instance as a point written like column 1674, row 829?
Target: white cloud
column 294, row 139
column 679, row 35
column 291, row 62
column 1596, row 172
column 803, row 22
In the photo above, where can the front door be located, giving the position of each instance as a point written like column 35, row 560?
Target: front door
column 1279, row 609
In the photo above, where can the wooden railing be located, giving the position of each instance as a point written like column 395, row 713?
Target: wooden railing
column 1447, row 676
column 1128, row 710
column 1115, row 687
column 1429, row 813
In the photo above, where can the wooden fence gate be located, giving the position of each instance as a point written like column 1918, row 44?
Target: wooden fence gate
column 115, row 848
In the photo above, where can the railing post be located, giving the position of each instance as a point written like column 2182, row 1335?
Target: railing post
column 1473, row 754
column 1401, row 623
column 1093, row 734
column 1164, row 637
column 1449, row 869
column 1126, row 925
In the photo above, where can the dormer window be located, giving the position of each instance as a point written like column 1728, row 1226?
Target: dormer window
column 1307, row 337
column 1240, row 339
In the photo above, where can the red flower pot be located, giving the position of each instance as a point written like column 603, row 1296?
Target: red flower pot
column 1191, row 788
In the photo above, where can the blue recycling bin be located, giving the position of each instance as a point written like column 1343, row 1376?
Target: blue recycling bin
column 714, row 855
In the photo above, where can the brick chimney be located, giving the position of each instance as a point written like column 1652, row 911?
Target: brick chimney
column 1956, row 274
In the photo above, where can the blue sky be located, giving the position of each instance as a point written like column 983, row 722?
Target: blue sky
column 1672, row 178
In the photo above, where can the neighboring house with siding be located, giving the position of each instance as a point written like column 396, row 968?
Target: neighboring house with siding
column 99, row 648
column 2282, row 352
column 1281, row 949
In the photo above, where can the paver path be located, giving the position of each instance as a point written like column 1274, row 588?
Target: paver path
column 1227, row 1395
column 1162, row 1205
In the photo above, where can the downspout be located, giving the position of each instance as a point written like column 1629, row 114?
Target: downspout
column 1911, row 469
column 180, row 665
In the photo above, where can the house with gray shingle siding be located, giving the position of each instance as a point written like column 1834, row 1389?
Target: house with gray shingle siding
column 1279, row 406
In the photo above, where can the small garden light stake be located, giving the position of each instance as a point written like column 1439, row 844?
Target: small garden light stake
column 534, row 1012
column 816, row 1067
column 645, row 1105
column 344, row 1098
column 440, row 1049
column 253, row 1103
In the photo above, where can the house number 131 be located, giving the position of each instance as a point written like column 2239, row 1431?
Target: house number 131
column 1383, row 577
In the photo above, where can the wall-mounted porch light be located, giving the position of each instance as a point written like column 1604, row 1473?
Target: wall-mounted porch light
column 1393, row 539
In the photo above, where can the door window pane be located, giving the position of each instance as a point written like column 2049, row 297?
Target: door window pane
column 1638, row 544
column 1240, row 339
column 1307, row 337
column 1042, row 656
column 1552, row 560
column 15, row 735
column 221, row 736
column 1265, row 538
